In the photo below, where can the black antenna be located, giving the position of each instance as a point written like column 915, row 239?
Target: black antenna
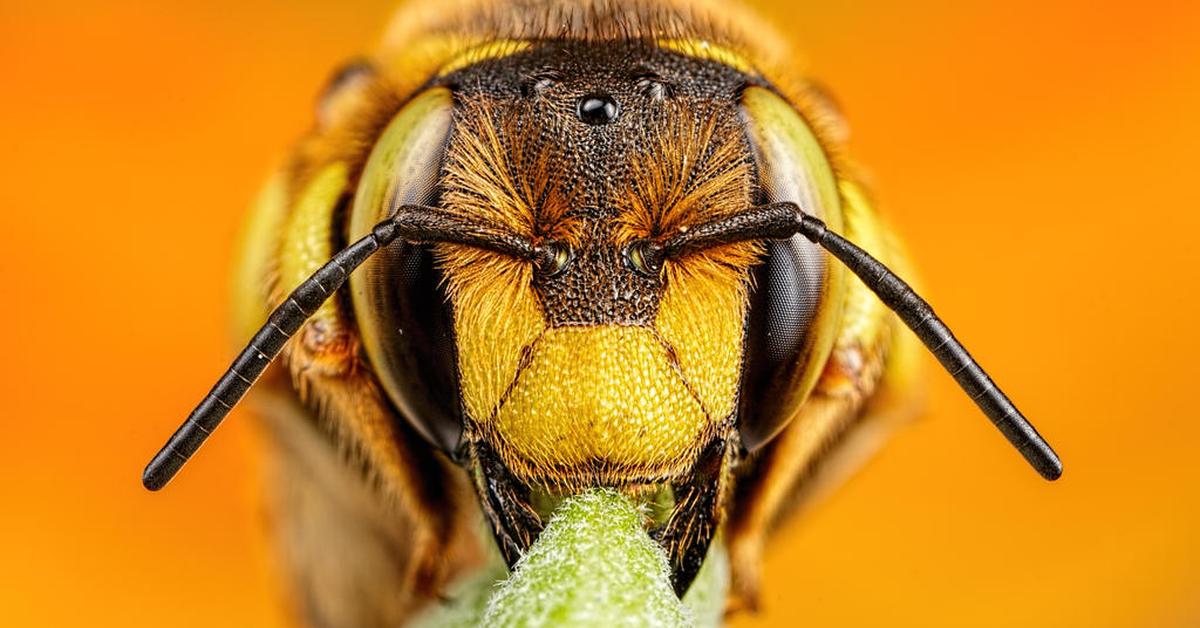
column 781, row 220
column 415, row 223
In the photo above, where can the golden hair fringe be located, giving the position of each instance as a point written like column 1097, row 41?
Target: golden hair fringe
column 690, row 172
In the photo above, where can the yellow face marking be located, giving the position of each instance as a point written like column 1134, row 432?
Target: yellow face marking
column 624, row 397
column 496, row 316
column 306, row 243
column 702, row 49
column 256, row 253
column 867, row 324
column 638, row 399
column 864, row 310
column 607, row 395
column 702, row 317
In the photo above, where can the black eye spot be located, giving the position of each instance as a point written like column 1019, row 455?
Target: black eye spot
column 598, row 109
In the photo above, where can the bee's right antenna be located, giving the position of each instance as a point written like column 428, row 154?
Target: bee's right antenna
column 414, row 223
column 782, row 220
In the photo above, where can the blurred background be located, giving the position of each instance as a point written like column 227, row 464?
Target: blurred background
column 1038, row 156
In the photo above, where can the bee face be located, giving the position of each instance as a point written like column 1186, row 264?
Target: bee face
column 583, row 154
column 601, row 365
column 597, row 369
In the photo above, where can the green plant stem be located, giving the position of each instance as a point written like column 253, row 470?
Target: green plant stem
column 593, row 565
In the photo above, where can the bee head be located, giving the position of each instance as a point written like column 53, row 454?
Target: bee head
column 597, row 361
column 556, row 361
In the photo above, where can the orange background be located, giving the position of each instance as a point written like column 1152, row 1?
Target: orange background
column 1038, row 156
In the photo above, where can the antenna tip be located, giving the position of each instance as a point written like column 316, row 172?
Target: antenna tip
column 1052, row 471
column 1047, row 463
column 152, row 480
column 160, row 470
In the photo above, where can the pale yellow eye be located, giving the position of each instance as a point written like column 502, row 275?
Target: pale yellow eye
column 798, row 293
column 402, row 315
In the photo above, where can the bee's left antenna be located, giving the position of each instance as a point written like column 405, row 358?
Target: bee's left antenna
column 258, row 354
column 412, row 222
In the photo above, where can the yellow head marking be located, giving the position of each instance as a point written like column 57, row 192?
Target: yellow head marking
column 496, row 317
column 702, row 317
column 485, row 51
column 585, row 403
column 306, row 244
column 257, row 245
column 707, row 50
column 596, row 400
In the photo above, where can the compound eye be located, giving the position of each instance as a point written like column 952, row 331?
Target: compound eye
column 403, row 315
column 791, row 324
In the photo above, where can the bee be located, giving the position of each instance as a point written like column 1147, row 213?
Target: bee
column 531, row 247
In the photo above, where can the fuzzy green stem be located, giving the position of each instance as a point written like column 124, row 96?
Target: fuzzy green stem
column 593, row 565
